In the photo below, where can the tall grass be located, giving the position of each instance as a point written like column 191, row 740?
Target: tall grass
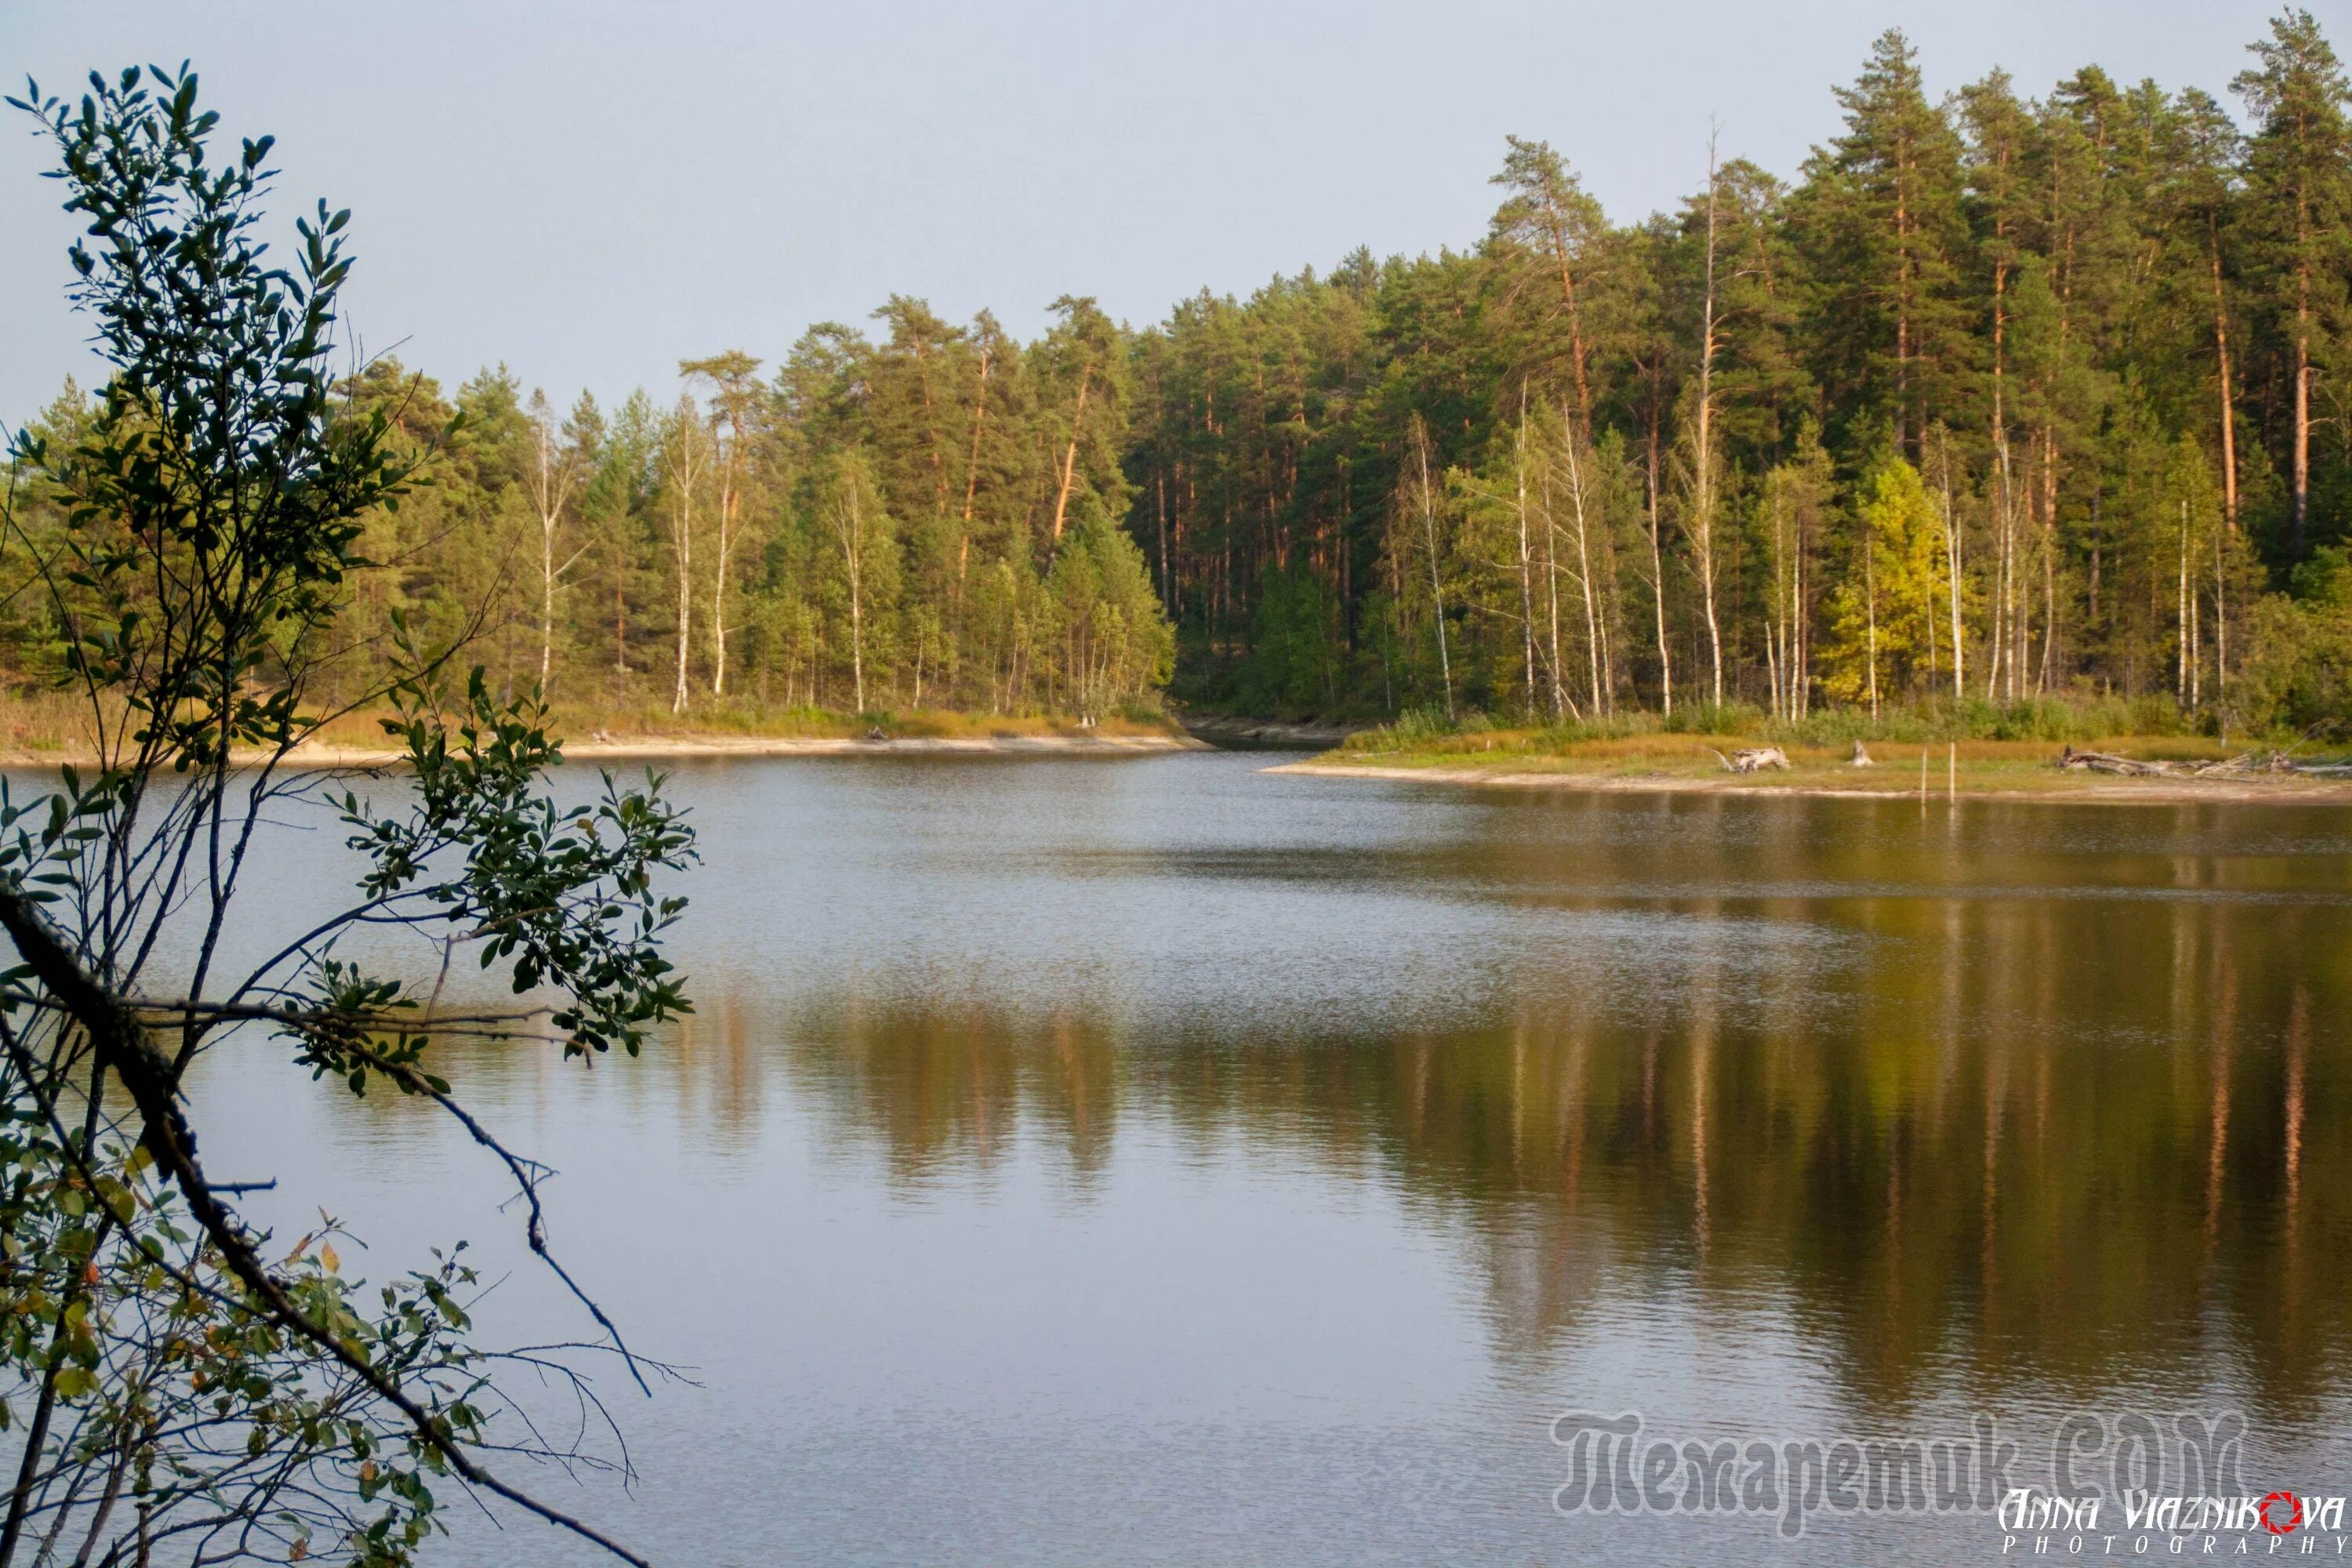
column 2052, row 720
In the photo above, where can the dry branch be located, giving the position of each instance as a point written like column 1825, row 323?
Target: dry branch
column 1752, row 759
column 2245, row 765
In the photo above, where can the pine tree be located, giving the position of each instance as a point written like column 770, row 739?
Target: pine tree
column 2299, row 177
column 1884, row 229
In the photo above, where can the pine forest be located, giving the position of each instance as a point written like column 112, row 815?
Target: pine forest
column 2004, row 402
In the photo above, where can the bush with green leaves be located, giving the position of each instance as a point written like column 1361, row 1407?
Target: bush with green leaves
column 172, row 1394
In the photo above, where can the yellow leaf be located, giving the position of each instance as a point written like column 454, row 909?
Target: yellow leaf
column 327, row 1255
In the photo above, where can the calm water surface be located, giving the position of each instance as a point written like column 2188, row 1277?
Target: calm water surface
column 1163, row 1161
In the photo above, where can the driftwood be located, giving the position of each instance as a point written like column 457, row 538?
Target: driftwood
column 2250, row 763
column 2108, row 762
column 2247, row 765
column 1752, row 759
column 1861, row 758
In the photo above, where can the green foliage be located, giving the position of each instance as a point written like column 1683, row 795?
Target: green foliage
column 1883, row 615
column 2045, row 719
column 2029, row 719
column 1293, row 665
column 1114, row 642
column 173, row 483
column 2324, row 582
column 201, row 537
column 2025, row 299
column 563, row 897
column 1414, row 727
column 2300, row 677
column 1975, row 347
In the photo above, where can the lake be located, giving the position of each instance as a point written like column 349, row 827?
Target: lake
column 1159, row 1159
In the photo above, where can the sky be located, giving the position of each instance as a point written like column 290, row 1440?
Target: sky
column 589, row 191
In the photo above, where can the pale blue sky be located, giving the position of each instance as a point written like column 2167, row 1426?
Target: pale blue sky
column 592, row 191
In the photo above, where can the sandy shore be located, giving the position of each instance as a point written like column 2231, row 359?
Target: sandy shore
column 693, row 748
column 1888, row 781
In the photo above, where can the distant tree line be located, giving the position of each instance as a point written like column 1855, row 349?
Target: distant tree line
column 2004, row 399
column 929, row 520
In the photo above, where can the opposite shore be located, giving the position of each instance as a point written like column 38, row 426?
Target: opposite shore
column 1647, row 764
column 1974, row 770
column 349, row 745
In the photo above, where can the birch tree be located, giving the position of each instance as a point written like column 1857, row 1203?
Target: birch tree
column 1425, row 494
column 735, row 400
column 556, row 463
column 685, row 461
column 1703, row 501
column 864, row 555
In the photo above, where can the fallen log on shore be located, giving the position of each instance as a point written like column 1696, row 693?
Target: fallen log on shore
column 2245, row 765
column 1752, row 759
column 2108, row 762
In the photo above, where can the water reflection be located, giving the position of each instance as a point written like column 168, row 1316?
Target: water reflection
column 2036, row 1094
column 1929, row 1195
column 1961, row 1109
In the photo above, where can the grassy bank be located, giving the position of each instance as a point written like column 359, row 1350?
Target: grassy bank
column 47, row 728
column 1975, row 750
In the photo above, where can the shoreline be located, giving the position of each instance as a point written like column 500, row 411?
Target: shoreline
column 1229, row 733
column 2046, row 785
column 698, row 748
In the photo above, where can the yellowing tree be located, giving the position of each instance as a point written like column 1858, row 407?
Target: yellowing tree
column 1883, row 634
